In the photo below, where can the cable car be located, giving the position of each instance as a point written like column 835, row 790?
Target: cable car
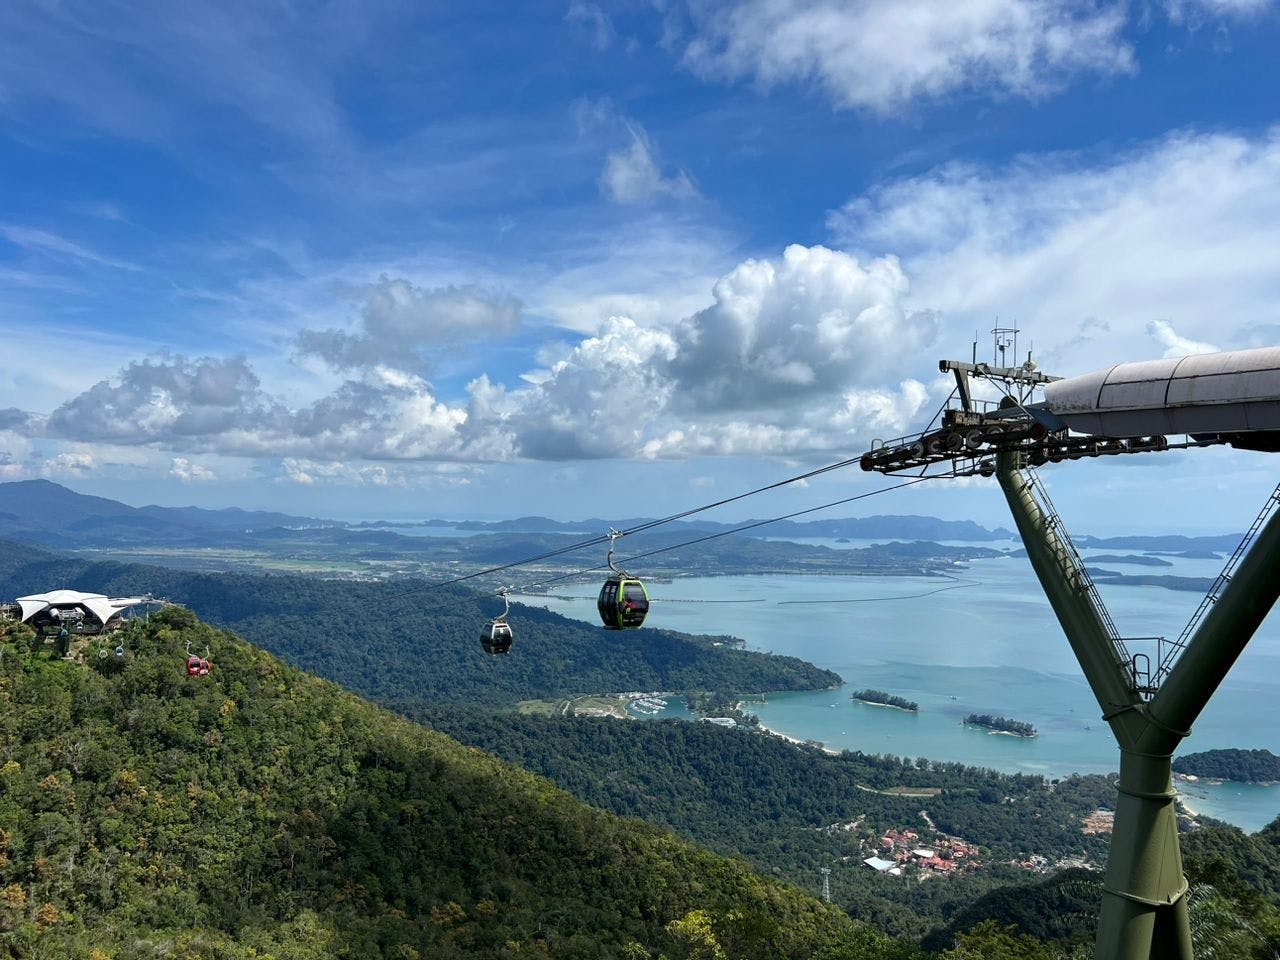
column 623, row 600
column 197, row 666
column 496, row 636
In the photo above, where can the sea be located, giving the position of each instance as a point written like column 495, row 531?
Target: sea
column 982, row 640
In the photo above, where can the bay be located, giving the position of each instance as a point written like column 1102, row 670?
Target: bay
column 983, row 642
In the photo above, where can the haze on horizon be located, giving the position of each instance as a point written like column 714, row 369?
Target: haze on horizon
column 611, row 259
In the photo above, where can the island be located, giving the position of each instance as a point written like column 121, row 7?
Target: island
column 1238, row 766
column 1014, row 728
column 878, row 698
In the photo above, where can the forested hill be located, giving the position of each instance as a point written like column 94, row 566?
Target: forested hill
column 399, row 641
column 1242, row 766
column 259, row 811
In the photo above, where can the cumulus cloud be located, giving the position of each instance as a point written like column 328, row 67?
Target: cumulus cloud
column 218, row 405
column 794, row 355
column 12, row 418
column 397, row 319
column 169, row 399
column 1082, row 257
column 633, row 176
column 803, row 327
column 812, row 351
column 883, row 54
column 188, row 472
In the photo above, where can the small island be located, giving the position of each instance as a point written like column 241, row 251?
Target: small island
column 1238, row 766
column 878, row 698
column 1014, row 728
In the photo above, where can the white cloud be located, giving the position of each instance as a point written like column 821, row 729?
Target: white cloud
column 633, row 176
column 798, row 329
column 53, row 245
column 1195, row 11
column 306, row 472
column 69, row 464
column 1084, row 257
column 397, row 319
column 589, row 17
column 171, row 399
column 796, row 355
column 269, row 63
column 884, row 54
column 1162, row 332
column 188, row 472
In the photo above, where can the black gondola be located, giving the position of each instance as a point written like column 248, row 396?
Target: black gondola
column 623, row 600
column 496, row 636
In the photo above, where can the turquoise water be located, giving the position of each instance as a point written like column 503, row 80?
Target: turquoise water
column 985, row 642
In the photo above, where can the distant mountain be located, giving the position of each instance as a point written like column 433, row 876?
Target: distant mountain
column 1175, row 543
column 49, row 513
column 907, row 527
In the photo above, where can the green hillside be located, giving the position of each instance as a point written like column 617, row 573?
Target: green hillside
column 262, row 812
column 792, row 810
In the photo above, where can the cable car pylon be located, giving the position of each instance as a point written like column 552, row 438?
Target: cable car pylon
column 1144, row 908
column 1144, row 912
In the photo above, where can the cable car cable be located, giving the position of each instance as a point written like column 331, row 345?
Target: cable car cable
column 640, row 527
column 725, row 533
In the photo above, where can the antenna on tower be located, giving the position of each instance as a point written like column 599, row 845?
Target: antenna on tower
column 1005, row 344
column 826, row 884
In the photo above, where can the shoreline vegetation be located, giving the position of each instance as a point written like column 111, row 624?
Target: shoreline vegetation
column 878, row 698
column 1005, row 725
column 1260, row 767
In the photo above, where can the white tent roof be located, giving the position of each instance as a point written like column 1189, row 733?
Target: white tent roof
column 875, row 863
column 99, row 605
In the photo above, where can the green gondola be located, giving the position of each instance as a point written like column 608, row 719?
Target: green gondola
column 623, row 601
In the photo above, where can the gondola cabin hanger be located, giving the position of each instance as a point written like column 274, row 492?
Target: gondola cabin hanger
column 623, row 601
column 496, row 635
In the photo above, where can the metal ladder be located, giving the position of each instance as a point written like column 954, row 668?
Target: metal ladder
column 1171, row 649
column 1073, row 563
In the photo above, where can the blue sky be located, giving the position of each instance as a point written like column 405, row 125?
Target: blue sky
column 613, row 259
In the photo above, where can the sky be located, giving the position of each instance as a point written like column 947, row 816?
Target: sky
column 403, row 260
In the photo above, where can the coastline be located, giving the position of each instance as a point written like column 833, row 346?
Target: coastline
column 796, row 740
column 890, row 706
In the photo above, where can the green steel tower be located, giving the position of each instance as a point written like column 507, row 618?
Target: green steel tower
column 1149, row 701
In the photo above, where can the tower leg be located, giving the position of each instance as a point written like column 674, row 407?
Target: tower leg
column 1144, row 907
